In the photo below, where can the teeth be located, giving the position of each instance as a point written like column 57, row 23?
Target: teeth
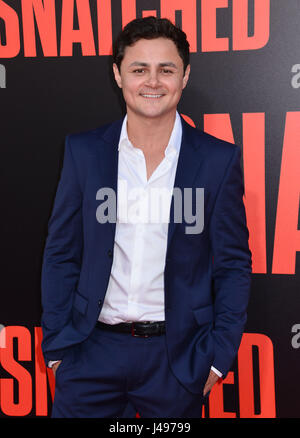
column 152, row 95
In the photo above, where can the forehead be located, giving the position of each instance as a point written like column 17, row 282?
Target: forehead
column 158, row 50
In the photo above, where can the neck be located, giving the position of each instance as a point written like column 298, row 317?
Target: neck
column 150, row 133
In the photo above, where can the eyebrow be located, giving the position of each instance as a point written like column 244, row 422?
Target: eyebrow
column 161, row 64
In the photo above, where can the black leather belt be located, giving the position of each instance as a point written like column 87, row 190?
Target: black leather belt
column 142, row 329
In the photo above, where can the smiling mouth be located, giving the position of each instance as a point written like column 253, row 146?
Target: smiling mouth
column 152, row 96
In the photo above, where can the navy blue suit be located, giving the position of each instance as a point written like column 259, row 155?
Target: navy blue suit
column 207, row 275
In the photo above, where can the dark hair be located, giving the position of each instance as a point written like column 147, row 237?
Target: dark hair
column 150, row 28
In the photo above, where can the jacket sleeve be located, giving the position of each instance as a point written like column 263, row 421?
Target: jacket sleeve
column 62, row 254
column 232, row 265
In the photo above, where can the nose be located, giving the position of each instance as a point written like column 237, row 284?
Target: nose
column 152, row 79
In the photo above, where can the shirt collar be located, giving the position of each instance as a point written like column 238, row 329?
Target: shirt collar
column 174, row 142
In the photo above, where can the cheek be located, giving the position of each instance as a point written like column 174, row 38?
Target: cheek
column 131, row 86
column 177, row 91
column 175, row 86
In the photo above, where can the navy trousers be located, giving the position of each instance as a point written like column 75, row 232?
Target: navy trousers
column 112, row 374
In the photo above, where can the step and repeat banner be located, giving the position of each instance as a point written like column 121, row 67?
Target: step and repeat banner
column 56, row 78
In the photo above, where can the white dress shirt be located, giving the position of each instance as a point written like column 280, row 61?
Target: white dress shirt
column 135, row 289
column 136, row 286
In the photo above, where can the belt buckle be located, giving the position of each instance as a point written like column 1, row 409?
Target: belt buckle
column 134, row 334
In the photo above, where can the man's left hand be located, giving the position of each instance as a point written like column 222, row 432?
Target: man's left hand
column 212, row 379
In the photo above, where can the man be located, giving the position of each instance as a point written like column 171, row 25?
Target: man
column 143, row 311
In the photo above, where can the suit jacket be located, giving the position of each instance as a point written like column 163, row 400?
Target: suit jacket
column 206, row 277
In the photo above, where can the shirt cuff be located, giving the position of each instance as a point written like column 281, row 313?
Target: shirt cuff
column 52, row 362
column 218, row 373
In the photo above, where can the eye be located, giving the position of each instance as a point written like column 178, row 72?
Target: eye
column 166, row 71
column 139, row 71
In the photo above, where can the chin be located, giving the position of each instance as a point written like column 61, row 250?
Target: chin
column 154, row 112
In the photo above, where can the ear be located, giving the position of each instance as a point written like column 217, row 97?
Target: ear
column 186, row 76
column 117, row 75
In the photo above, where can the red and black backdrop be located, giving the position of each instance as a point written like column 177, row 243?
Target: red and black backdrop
column 56, row 78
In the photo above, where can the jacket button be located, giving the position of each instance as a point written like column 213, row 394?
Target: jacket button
column 99, row 303
column 109, row 252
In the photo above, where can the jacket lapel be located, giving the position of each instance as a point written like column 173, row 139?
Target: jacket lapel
column 189, row 162
column 109, row 161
